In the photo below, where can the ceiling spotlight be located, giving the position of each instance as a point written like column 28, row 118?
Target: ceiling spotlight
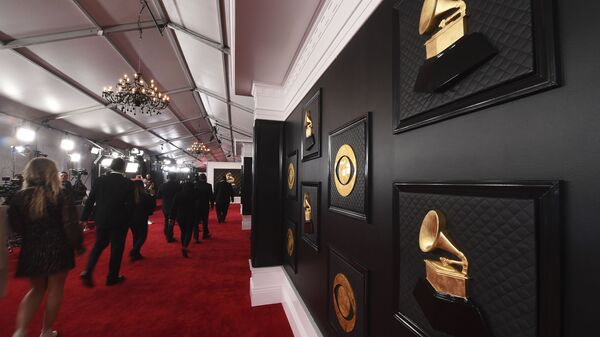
column 135, row 151
column 179, row 161
column 20, row 149
column 106, row 162
column 141, row 153
column 75, row 157
column 95, row 150
column 132, row 167
column 132, row 158
column 67, row 144
column 167, row 161
column 25, row 135
column 115, row 154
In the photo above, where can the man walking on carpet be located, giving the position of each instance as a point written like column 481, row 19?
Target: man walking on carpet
column 223, row 195
column 204, row 198
column 167, row 192
column 113, row 196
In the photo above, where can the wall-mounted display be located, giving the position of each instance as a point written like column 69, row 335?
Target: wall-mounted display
column 347, row 288
column 311, row 128
column 456, row 56
column 348, row 169
column 290, row 244
column 233, row 176
column 292, row 175
column 311, row 192
column 467, row 259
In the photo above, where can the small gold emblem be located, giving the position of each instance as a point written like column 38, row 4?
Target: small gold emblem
column 344, row 302
column 345, row 170
column 291, row 176
column 290, row 242
column 442, row 275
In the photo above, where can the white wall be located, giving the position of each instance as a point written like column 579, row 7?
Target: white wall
column 210, row 171
column 47, row 141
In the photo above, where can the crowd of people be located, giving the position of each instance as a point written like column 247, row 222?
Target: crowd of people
column 44, row 214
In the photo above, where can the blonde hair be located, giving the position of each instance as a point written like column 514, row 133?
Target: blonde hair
column 41, row 174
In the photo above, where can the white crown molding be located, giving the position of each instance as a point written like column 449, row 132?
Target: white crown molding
column 336, row 24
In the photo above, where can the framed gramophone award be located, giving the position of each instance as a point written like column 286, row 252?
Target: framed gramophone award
column 311, row 204
column 478, row 259
column 290, row 245
column 348, row 169
column 291, row 174
column 347, row 292
column 311, row 128
column 453, row 57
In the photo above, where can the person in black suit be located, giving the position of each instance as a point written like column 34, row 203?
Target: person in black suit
column 205, row 197
column 184, row 211
column 113, row 196
column 167, row 192
column 144, row 205
column 223, row 195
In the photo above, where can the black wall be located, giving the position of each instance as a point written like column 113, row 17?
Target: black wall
column 547, row 136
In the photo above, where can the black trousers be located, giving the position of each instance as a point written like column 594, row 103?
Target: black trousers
column 186, row 232
column 139, row 233
column 168, row 229
column 105, row 236
column 202, row 218
column 222, row 209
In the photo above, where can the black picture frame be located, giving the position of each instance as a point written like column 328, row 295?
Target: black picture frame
column 292, row 157
column 314, row 105
column 357, row 276
column 543, row 197
column 291, row 261
column 359, row 210
column 314, row 189
column 542, row 59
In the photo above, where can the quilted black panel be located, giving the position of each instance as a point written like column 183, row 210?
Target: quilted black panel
column 498, row 237
column 356, row 137
column 506, row 24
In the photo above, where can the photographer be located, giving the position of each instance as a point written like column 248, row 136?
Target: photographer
column 78, row 190
column 66, row 184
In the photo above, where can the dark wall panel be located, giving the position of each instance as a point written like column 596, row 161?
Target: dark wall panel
column 548, row 136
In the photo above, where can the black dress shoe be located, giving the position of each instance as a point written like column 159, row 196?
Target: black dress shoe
column 206, row 237
column 171, row 240
column 118, row 280
column 87, row 280
column 136, row 257
column 198, row 241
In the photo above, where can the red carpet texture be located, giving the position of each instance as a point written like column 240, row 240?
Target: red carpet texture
column 164, row 294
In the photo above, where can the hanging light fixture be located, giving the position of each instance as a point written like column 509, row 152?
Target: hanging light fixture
column 198, row 148
column 135, row 95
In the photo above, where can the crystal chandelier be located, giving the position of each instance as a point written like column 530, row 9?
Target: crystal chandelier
column 137, row 95
column 198, row 148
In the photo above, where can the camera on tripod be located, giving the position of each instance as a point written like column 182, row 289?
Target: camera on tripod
column 77, row 173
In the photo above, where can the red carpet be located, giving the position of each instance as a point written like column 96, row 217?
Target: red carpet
column 164, row 295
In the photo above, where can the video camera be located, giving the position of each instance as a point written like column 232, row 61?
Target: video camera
column 77, row 173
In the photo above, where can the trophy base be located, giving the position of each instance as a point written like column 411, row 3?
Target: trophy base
column 451, row 315
column 444, row 70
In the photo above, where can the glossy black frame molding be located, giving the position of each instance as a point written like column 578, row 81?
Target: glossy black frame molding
column 293, row 259
column 317, row 154
column 313, row 244
column 544, row 77
column 359, row 216
column 365, row 275
column 548, row 213
column 293, row 196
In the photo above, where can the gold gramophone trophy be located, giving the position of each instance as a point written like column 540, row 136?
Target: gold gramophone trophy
column 443, row 276
column 308, row 223
column 450, row 51
column 309, row 136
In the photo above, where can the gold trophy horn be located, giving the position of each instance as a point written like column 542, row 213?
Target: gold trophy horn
column 442, row 275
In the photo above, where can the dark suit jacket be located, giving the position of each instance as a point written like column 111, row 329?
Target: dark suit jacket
column 223, row 192
column 113, row 196
column 143, row 209
column 184, row 207
column 204, row 196
column 167, row 192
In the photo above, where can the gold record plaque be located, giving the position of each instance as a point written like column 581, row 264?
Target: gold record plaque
column 291, row 176
column 290, row 242
column 345, row 170
column 344, row 302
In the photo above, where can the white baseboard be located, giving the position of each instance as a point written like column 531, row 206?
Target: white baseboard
column 271, row 285
column 246, row 222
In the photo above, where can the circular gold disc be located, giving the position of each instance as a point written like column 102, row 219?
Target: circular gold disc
column 290, row 242
column 291, row 176
column 344, row 302
column 345, row 170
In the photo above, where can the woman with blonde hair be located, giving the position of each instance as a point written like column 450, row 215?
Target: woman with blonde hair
column 43, row 214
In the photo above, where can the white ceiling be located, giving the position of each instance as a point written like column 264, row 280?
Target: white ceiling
column 56, row 56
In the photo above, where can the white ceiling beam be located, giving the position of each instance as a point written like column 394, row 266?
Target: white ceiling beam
column 208, row 41
column 223, row 99
column 76, row 34
column 222, row 31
